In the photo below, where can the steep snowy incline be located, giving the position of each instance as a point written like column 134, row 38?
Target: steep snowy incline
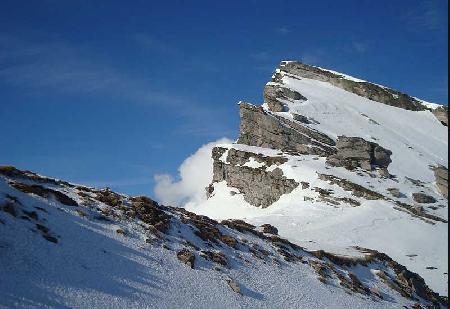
column 416, row 138
column 65, row 245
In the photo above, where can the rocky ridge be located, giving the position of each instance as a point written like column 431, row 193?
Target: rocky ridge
column 32, row 203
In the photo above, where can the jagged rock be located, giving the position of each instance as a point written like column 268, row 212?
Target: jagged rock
column 45, row 192
column 270, row 229
column 148, row 211
column 305, row 185
column 186, row 257
column 234, row 286
column 260, row 188
column 395, row 192
column 301, row 118
column 353, row 152
column 274, row 93
column 441, row 175
column 262, row 129
column 214, row 256
column 441, row 113
column 357, row 190
column 423, row 198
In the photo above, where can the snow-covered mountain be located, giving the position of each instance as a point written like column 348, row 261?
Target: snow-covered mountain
column 335, row 162
column 334, row 196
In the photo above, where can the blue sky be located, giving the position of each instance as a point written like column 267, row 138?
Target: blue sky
column 110, row 93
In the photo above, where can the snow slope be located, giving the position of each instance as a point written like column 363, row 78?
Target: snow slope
column 417, row 140
column 64, row 249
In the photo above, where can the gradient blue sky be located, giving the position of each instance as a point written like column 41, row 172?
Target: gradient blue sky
column 113, row 92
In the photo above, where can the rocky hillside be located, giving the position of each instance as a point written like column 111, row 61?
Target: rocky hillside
column 335, row 162
column 66, row 245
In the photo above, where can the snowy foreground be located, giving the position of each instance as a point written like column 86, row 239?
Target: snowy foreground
column 64, row 245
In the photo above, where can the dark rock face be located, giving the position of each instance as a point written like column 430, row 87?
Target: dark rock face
column 260, row 188
column 273, row 93
column 441, row 175
column 45, row 192
column 423, row 198
column 262, row 129
column 269, row 229
column 353, row 152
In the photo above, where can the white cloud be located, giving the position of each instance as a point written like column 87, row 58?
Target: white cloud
column 195, row 174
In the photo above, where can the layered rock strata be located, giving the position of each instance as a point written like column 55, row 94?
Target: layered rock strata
column 260, row 186
column 264, row 129
column 354, row 152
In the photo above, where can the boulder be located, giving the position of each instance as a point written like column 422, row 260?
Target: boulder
column 423, row 198
column 354, row 152
column 270, row 229
column 441, row 175
column 186, row 257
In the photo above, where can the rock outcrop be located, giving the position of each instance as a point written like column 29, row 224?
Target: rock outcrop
column 423, row 198
column 441, row 113
column 441, row 175
column 259, row 186
column 263, row 129
column 275, row 94
column 354, row 152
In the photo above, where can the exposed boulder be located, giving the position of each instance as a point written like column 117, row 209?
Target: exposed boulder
column 186, row 257
column 263, row 129
column 395, row 192
column 441, row 175
column 423, row 198
column 269, row 229
column 260, row 187
column 354, row 152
